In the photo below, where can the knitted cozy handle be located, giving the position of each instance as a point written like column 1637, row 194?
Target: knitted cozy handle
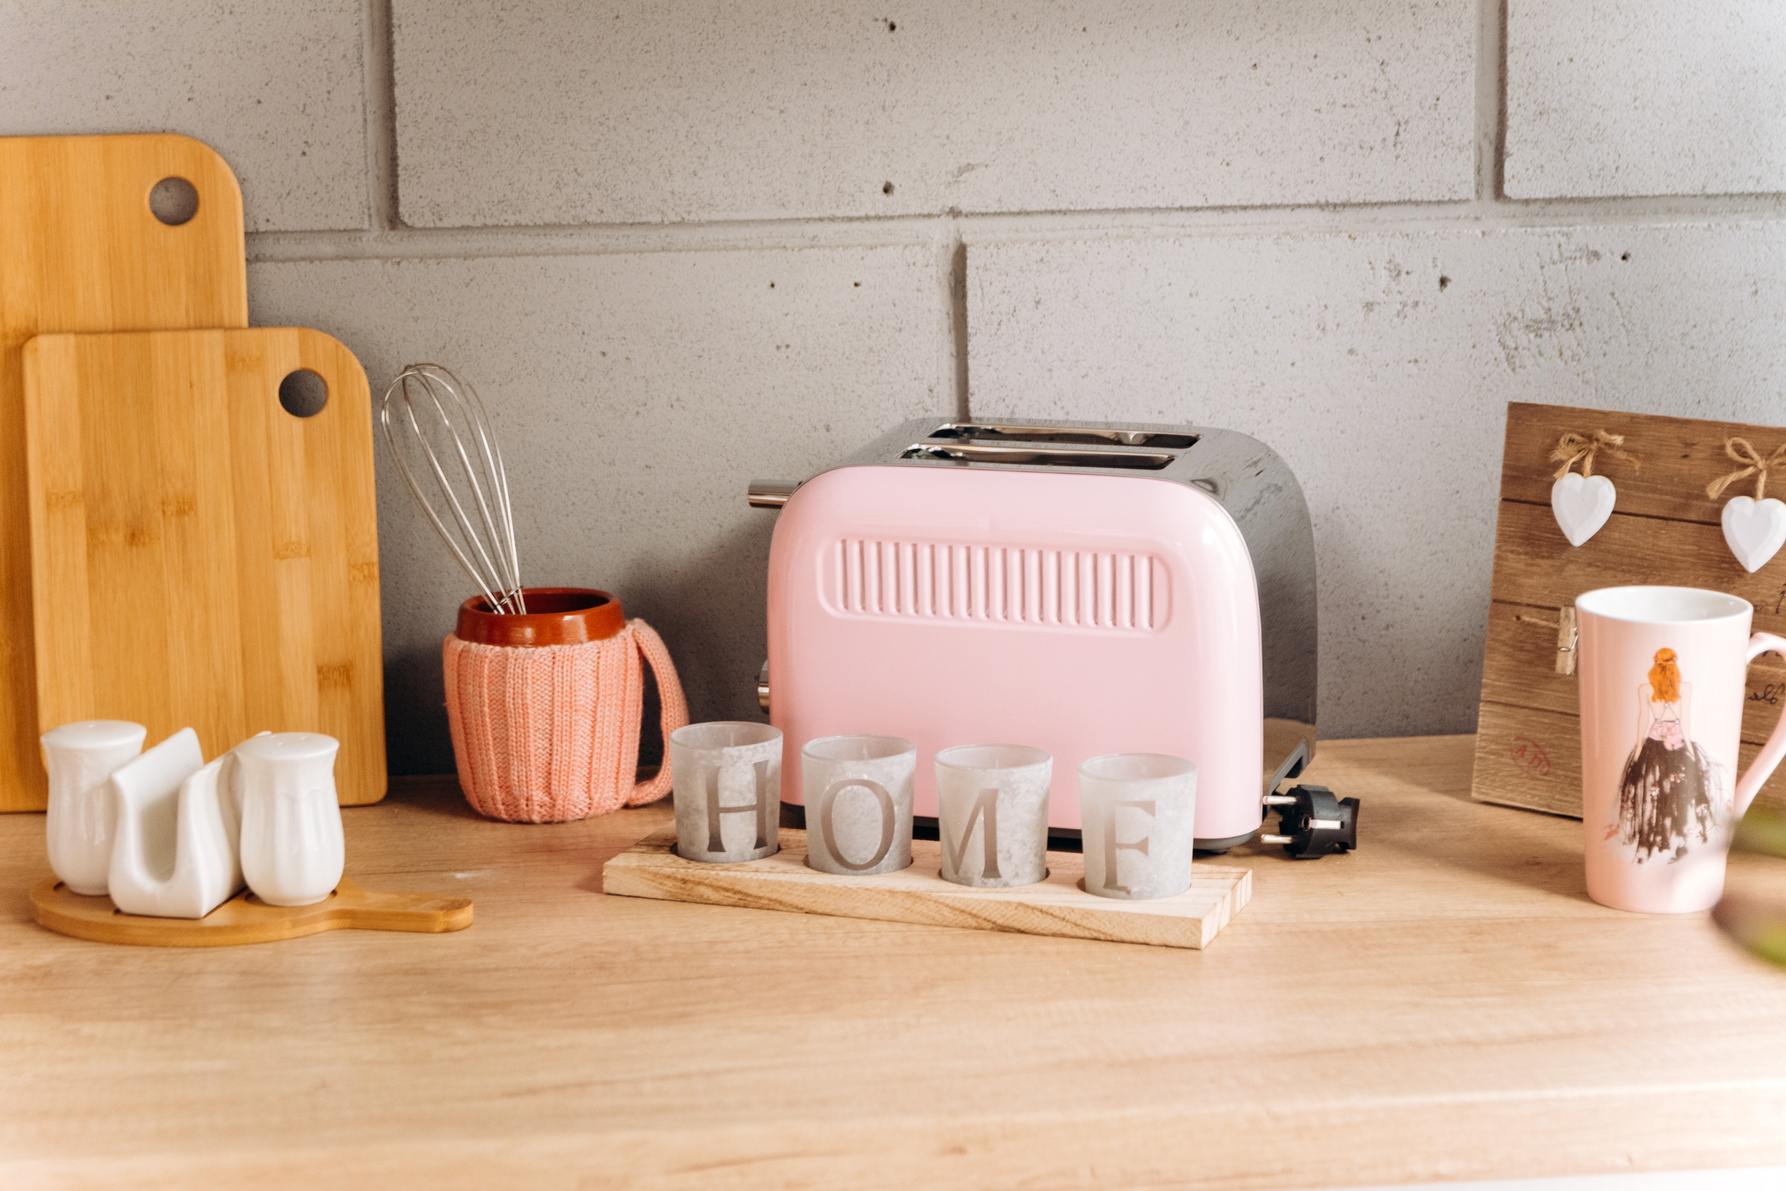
column 674, row 707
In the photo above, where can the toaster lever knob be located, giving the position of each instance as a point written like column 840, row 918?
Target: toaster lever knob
column 1313, row 823
column 771, row 494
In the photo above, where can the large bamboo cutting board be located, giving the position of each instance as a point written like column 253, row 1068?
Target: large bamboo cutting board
column 1663, row 529
column 200, row 556
column 80, row 250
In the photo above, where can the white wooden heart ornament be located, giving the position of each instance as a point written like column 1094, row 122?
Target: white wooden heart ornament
column 1754, row 530
column 1582, row 504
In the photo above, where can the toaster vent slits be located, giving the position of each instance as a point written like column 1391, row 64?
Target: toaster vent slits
column 1015, row 585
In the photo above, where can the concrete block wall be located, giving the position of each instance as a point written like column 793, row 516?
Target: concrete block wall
column 679, row 245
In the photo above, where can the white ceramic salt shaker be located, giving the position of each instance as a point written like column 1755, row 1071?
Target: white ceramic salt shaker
column 82, row 819
column 292, row 848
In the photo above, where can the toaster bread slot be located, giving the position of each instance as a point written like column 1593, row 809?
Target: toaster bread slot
column 1092, row 436
column 1037, row 456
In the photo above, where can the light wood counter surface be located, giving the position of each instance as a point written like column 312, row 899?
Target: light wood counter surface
column 1444, row 1003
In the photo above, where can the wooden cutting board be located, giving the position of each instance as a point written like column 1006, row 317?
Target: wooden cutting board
column 81, row 250
column 200, row 556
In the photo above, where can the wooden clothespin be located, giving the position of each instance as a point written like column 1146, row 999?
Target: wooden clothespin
column 1567, row 636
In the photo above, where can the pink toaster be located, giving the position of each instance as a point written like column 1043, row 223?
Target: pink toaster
column 1082, row 588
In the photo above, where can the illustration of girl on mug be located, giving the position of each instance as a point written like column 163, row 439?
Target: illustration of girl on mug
column 1673, row 791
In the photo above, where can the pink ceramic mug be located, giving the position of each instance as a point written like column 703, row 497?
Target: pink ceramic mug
column 1663, row 673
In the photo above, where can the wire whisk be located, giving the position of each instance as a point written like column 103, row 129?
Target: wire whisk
column 444, row 416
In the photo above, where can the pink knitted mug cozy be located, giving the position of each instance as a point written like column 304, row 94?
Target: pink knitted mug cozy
column 545, row 707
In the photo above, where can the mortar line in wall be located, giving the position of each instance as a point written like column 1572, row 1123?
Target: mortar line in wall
column 1491, row 101
column 1412, row 217
column 381, row 118
column 919, row 231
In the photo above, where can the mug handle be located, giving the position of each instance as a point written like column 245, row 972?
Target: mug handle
column 1769, row 758
column 674, row 707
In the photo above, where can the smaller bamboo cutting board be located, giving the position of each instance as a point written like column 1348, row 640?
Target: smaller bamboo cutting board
column 201, row 557
column 1056, row 905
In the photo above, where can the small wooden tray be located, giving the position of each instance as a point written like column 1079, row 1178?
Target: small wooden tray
column 1055, row 906
column 244, row 918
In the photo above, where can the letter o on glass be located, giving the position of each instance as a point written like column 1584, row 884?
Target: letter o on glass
column 858, row 795
column 828, row 820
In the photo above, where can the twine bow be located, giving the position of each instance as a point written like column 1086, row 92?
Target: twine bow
column 1740, row 450
column 1575, row 448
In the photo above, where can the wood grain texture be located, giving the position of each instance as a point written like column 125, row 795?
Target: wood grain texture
column 200, row 557
column 80, row 251
column 244, row 918
column 1542, row 569
column 1664, row 530
column 1442, row 1004
column 1528, row 758
column 1058, row 905
column 1676, row 458
column 1532, row 758
column 1517, row 672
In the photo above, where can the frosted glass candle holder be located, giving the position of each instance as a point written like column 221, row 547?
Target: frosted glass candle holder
column 992, row 814
column 1138, row 817
column 727, row 784
column 858, row 793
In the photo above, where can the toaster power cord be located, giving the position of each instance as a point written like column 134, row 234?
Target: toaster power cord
column 1312, row 823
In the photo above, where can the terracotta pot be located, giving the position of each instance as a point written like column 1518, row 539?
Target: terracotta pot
column 555, row 616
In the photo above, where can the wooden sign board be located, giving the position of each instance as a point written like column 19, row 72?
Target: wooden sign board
column 1663, row 530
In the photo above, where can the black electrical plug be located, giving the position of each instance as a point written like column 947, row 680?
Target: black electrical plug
column 1313, row 823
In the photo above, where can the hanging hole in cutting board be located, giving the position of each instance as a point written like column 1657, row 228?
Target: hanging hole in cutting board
column 173, row 201
column 303, row 393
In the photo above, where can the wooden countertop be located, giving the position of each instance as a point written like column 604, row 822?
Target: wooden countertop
column 1444, row 1003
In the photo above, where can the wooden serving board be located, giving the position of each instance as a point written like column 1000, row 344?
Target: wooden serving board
column 244, row 918
column 201, row 557
column 1663, row 530
column 81, row 251
column 1055, row 906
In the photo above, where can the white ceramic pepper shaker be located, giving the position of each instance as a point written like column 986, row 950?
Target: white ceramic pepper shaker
column 292, row 847
column 82, row 820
